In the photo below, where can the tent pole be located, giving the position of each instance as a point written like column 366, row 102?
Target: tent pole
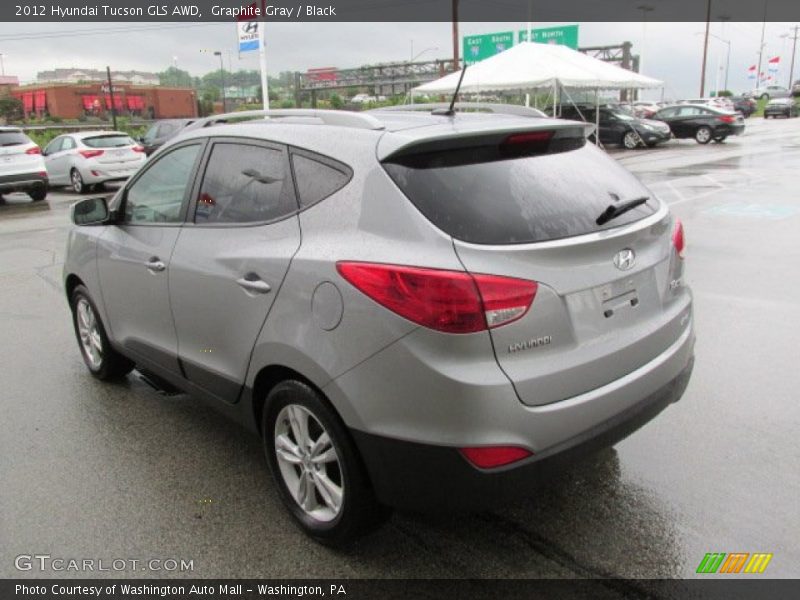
column 527, row 99
column 597, row 117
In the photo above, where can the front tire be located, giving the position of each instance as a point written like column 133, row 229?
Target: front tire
column 703, row 135
column 630, row 140
column 76, row 180
column 101, row 359
column 316, row 467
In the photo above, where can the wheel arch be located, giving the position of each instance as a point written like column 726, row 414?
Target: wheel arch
column 266, row 380
column 70, row 283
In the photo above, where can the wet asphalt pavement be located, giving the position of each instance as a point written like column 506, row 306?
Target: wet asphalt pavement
column 91, row 470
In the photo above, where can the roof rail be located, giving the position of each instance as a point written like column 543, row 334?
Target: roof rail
column 492, row 107
column 341, row 118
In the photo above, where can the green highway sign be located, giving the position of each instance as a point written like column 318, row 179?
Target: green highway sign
column 566, row 35
column 478, row 47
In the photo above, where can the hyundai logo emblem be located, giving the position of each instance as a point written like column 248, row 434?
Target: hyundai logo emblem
column 624, row 259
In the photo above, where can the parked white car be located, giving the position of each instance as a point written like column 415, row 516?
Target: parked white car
column 21, row 166
column 363, row 99
column 91, row 158
column 722, row 103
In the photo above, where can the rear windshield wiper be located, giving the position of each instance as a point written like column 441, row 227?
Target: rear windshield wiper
column 612, row 212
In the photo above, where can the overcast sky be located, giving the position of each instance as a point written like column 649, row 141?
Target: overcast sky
column 672, row 51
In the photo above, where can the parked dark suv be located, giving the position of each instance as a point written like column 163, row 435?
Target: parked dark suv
column 620, row 127
column 161, row 131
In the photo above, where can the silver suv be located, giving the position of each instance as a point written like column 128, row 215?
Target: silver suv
column 413, row 309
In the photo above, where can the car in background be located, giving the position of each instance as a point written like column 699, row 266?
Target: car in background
column 771, row 91
column 721, row 102
column 92, row 158
column 619, row 127
column 780, row 107
column 644, row 109
column 162, row 131
column 21, row 166
column 744, row 105
column 796, row 88
column 703, row 123
column 363, row 99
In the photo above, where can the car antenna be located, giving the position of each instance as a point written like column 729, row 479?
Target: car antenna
column 451, row 110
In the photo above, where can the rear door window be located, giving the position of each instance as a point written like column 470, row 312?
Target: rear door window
column 246, row 183
column 521, row 200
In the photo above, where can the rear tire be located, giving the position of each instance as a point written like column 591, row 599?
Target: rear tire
column 101, row 359
column 703, row 135
column 76, row 179
column 323, row 484
column 38, row 194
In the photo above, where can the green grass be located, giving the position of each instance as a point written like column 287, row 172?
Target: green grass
column 760, row 107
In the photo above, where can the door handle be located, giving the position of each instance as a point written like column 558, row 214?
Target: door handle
column 257, row 286
column 155, row 265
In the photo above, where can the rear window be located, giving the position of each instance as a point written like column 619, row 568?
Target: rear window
column 108, row 141
column 13, row 138
column 521, row 200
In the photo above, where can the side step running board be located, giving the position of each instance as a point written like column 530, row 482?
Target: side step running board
column 159, row 384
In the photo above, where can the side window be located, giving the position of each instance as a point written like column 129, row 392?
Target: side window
column 166, row 129
column 54, row 146
column 667, row 112
column 318, row 178
column 157, row 195
column 245, row 183
column 68, row 144
column 689, row 111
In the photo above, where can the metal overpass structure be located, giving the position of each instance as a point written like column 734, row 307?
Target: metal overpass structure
column 390, row 79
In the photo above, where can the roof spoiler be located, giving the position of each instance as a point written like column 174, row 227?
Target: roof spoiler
column 491, row 107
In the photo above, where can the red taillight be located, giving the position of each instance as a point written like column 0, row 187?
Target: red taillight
column 727, row 119
column 448, row 301
column 487, row 457
column 34, row 150
column 677, row 238
column 530, row 136
column 137, row 149
column 90, row 153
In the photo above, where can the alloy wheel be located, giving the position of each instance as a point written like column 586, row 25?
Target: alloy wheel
column 308, row 463
column 77, row 181
column 89, row 333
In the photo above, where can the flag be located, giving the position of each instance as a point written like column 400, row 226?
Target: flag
column 774, row 60
column 752, row 69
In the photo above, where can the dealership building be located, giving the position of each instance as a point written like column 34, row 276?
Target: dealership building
column 75, row 100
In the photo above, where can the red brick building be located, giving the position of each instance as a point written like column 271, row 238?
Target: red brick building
column 71, row 101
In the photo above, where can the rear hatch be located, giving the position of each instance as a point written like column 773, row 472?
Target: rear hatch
column 117, row 149
column 605, row 304
column 18, row 154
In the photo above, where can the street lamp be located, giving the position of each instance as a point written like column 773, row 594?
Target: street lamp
column 222, row 74
column 415, row 57
column 727, row 59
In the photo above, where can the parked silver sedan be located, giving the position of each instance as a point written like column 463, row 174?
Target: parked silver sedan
column 91, row 158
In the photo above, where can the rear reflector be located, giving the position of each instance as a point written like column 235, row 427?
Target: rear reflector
column 677, row 238
column 34, row 150
column 90, row 153
column 137, row 149
column 448, row 301
column 487, row 457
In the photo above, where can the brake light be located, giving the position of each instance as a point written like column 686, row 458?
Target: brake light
column 90, row 153
column 447, row 301
column 677, row 238
column 137, row 149
column 531, row 136
column 727, row 119
column 34, row 150
column 487, row 457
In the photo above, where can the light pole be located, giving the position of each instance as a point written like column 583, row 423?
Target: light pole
column 2, row 65
column 222, row 74
column 727, row 59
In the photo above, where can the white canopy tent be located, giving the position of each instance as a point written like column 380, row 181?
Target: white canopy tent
column 529, row 66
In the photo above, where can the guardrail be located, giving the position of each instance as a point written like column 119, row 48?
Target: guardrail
column 80, row 126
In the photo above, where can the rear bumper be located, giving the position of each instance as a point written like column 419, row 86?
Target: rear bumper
column 426, row 477
column 99, row 173
column 22, row 182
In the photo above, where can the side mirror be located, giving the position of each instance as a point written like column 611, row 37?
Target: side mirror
column 91, row 211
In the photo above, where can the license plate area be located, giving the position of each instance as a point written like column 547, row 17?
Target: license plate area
column 617, row 297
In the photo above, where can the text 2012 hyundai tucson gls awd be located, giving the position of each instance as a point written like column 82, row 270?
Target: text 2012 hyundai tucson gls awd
column 413, row 310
